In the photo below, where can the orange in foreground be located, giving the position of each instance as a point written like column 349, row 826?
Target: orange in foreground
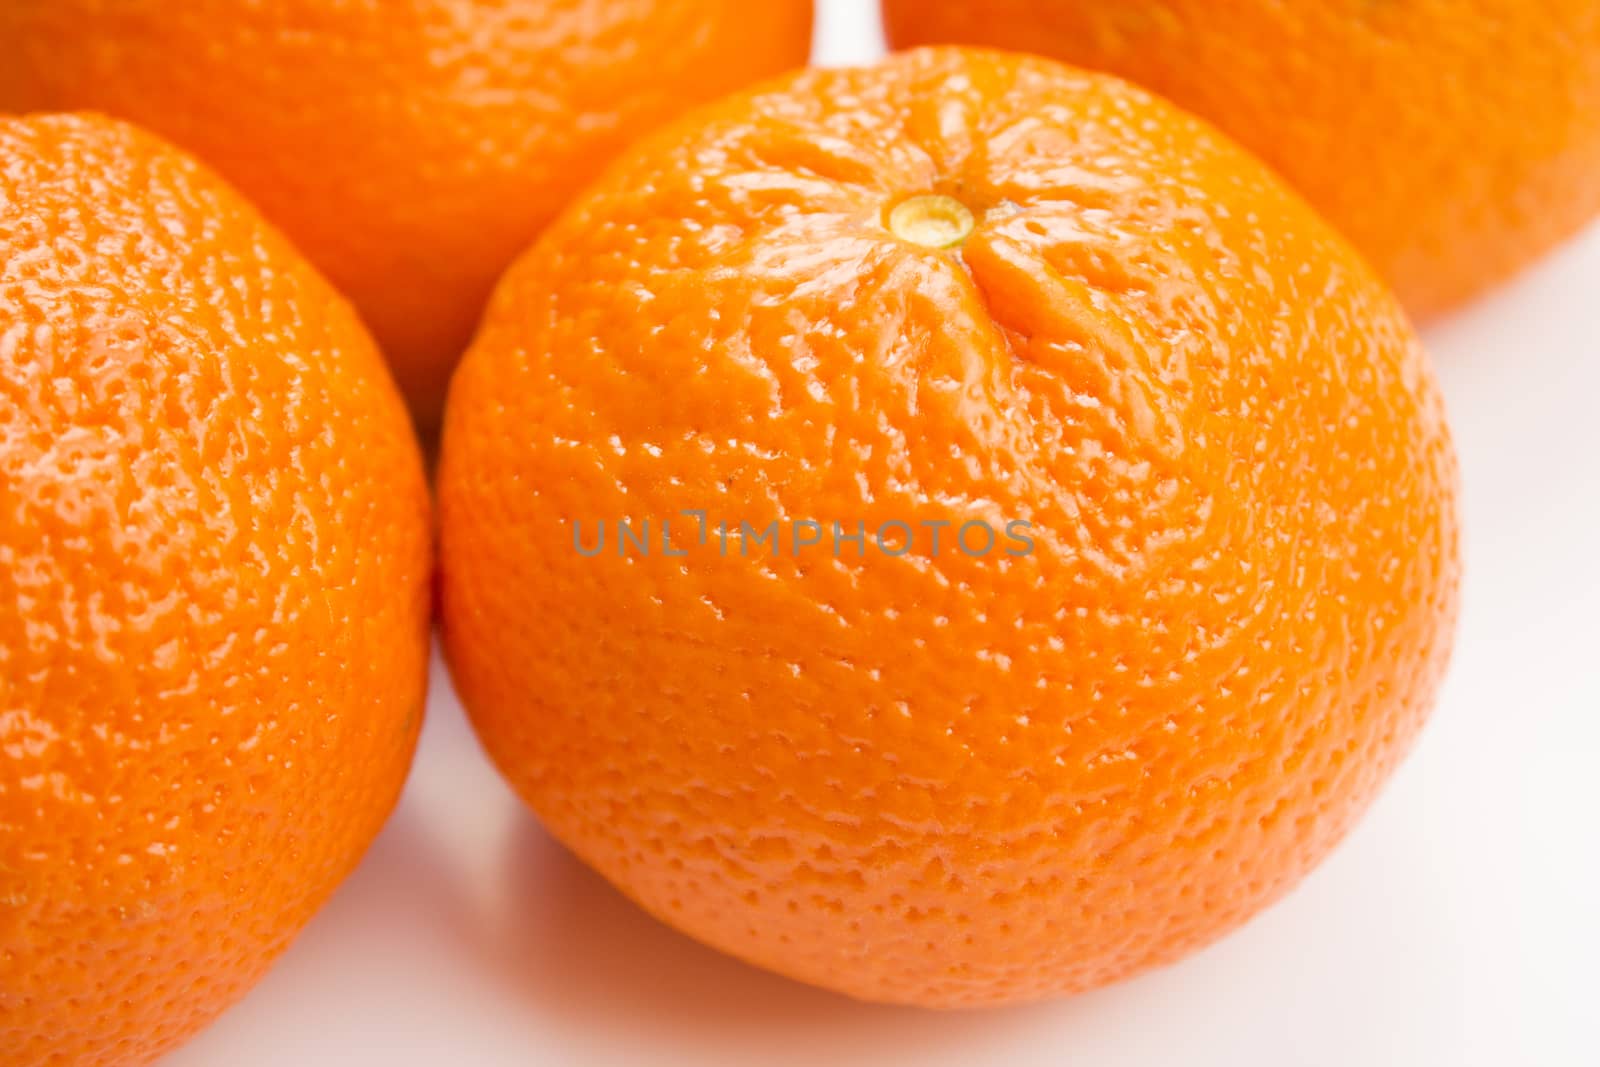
column 410, row 148
column 214, row 560
column 1453, row 141
column 975, row 290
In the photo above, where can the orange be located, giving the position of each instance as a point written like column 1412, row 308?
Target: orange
column 409, row 148
column 1198, row 566
column 214, row 555
column 1453, row 141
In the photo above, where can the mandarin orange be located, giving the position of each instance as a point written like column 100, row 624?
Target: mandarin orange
column 214, row 566
column 409, row 148
column 1453, row 141
column 1196, row 495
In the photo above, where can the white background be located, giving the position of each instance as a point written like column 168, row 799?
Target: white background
column 1459, row 925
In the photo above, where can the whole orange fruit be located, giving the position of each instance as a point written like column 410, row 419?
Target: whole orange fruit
column 412, row 147
column 1198, row 565
column 1453, row 141
column 214, row 557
